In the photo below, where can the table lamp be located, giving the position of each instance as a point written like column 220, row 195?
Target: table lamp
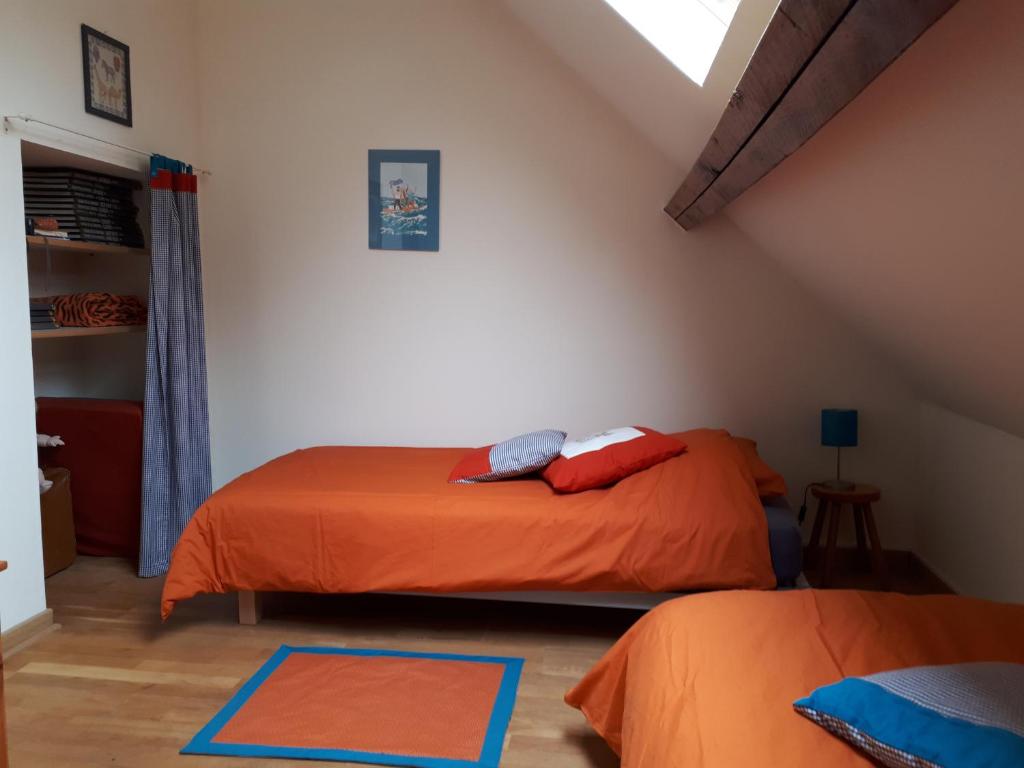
column 839, row 430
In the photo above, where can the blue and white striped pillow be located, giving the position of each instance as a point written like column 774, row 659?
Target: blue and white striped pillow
column 510, row 458
column 961, row 715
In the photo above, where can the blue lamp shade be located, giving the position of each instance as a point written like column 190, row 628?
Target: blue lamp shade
column 839, row 427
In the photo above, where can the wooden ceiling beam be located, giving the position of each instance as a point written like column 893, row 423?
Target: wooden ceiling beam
column 814, row 58
column 793, row 35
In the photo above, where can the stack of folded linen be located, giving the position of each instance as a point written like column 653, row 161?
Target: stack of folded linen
column 85, row 205
column 94, row 310
column 41, row 311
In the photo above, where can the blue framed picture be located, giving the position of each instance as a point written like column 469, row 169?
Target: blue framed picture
column 405, row 196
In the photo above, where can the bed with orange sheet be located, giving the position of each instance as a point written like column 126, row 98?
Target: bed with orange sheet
column 710, row 680
column 361, row 519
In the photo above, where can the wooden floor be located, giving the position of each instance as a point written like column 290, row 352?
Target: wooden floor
column 907, row 573
column 115, row 687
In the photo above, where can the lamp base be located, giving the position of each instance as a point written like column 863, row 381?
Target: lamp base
column 839, row 485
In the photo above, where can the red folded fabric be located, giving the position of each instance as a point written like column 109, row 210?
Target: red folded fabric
column 103, row 451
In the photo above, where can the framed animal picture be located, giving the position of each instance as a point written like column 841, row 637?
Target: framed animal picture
column 108, row 81
column 404, row 201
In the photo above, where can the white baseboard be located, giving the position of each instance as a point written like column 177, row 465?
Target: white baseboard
column 22, row 635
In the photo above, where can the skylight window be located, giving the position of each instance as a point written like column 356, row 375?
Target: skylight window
column 686, row 32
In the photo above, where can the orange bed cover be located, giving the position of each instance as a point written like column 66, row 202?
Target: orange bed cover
column 710, row 680
column 357, row 519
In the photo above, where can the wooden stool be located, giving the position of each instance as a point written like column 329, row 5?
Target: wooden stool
column 830, row 505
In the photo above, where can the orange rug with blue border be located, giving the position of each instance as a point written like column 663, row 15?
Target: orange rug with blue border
column 430, row 710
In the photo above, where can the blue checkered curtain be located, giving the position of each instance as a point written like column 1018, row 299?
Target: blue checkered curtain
column 176, row 433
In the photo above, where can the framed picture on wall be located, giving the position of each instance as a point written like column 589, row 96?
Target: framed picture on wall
column 108, row 81
column 405, row 193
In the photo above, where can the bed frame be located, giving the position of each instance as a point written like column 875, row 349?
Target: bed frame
column 250, row 607
column 250, row 604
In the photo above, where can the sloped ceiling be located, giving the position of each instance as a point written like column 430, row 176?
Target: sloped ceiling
column 674, row 113
column 906, row 212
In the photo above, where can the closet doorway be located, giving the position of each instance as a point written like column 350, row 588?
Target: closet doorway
column 88, row 282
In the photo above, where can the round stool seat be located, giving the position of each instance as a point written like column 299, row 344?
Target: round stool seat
column 859, row 494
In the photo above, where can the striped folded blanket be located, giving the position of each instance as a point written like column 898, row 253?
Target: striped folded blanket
column 91, row 310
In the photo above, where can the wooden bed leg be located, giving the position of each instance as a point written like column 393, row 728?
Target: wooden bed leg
column 250, row 607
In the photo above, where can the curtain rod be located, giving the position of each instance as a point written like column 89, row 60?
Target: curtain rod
column 27, row 119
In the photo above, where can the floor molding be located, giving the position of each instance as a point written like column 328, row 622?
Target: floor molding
column 910, row 572
column 22, row 635
column 922, row 569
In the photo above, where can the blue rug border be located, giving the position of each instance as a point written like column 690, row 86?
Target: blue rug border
column 490, row 754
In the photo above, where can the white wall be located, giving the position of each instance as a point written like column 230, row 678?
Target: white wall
column 40, row 56
column 903, row 212
column 676, row 114
column 971, row 526
column 903, row 215
column 562, row 296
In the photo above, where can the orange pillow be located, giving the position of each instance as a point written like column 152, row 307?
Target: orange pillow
column 769, row 482
column 607, row 457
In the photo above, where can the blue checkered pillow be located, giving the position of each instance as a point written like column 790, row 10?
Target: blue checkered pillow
column 514, row 457
column 961, row 715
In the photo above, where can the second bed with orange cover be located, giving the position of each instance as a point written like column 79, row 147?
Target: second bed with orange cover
column 710, row 680
column 357, row 519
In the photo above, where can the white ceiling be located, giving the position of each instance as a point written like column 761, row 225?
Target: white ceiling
column 904, row 213
column 674, row 113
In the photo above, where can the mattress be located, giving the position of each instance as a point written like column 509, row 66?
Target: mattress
column 784, row 541
column 364, row 519
column 710, row 680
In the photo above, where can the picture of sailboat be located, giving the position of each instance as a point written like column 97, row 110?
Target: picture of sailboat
column 403, row 209
column 403, row 199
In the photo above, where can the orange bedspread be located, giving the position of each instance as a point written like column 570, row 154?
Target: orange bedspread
column 710, row 680
column 348, row 519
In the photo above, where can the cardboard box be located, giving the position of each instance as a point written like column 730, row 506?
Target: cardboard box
column 58, row 522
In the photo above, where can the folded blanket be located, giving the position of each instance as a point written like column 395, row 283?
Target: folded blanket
column 96, row 309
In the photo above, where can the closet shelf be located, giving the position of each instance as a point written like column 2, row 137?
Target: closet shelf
column 81, row 246
column 109, row 330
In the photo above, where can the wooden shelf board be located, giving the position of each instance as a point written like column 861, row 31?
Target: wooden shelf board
column 80, row 246
column 62, row 333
